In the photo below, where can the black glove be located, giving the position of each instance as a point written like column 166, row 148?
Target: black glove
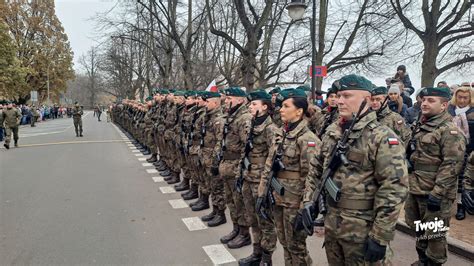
column 374, row 251
column 468, row 200
column 298, row 222
column 309, row 213
column 215, row 170
column 433, row 204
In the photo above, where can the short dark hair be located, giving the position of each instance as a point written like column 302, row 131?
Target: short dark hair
column 302, row 103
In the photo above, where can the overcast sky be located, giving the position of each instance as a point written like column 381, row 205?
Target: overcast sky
column 76, row 15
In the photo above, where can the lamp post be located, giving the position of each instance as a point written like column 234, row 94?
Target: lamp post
column 296, row 10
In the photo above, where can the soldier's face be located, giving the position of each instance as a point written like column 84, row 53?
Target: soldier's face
column 212, row 103
column 348, row 102
column 274, row 96
column 289, row 112
column 257, row 105
column 201, row 102
column 332, row 100
column 463, row 98
column 432, row 105
column 377, row 101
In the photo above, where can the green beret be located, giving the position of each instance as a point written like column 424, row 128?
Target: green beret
column 355, row 82
column 209, row 94
column 304, row 87
column 172, row 90
column 222, row 90
column 275, row 90
column 179, row 93
column 164, row 92
column 291, row 93
column 235, row 91
column 149, row 98
column 380, row 91
column 439, row 92
column 259, row 95
column 189, row 94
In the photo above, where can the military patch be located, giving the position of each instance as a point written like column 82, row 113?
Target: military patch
column 393, row 141
column 311, row 144
column 453, row 132
column 400, row 122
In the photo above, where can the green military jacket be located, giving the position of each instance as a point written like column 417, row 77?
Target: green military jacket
column 214, row 124
column 376, row 175
column 469, row 173
column 396, row 123
column 238, row 129
column 196, row 132
column 438, row 158
column 77, row 112
column 299, row 147
column 11, row 117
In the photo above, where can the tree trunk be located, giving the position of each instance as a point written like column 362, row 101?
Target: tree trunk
column 429, row 72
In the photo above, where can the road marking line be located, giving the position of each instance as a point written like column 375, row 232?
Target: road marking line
column 142, row 159
column 147, row 164
column 151, row 171
column 135, row 151
column 167, row 190
column 219, row 254
column 194, row 224
column 178, row 204
column 157, row 179
column 139, row 154
column 70, row 142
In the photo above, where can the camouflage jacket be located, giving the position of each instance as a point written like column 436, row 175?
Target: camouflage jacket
column 186, row 125
column 214, row 123
column 438, row 158
column 170, row 121
column 395, row 122
column 377, row 174
column 77, row 112
column 177, row 128
column 328, row 116
column 469, row 173
column 315, row 115
column 238, row 129
column 276, row 117
column 299, row 147
column 262, row 141
column 196, row 132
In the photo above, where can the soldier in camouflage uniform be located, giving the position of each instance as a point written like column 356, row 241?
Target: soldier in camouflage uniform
column 77, row 113
column 468, row 184
column 373, row 186
column 214, row 125
column 263, row 231
column 238, row 125
column 276, row 107
column 388, row 117
column 437, row 160
column 329, row 114
column 175, row 146
column 298, row 146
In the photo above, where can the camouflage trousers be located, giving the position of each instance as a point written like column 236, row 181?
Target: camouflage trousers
column 9, row 131
column 195, row 168
column 345, row 238
column 78, row 125
column 214, row 184
column 234, row 200
column 433, row 243
column 149, row 139
column 263, row 231
column 294, row 243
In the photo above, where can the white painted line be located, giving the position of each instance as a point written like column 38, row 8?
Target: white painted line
column 218, row 254
column 168, row 190
column 128, row 142
column 139, row 154
column 157, row 179
column 135, row 151
column 147, row 164
column 151, row 171
column 130, row 145
column 178, row 203
column 194, row 224
column 142, row 159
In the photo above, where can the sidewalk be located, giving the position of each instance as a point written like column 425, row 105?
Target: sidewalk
column 460, row 237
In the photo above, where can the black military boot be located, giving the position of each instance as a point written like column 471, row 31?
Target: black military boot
column 266, row 259
column 242, row 240
column 422, row 258
column 254, row 258
column 235, row 231
column 162, row 168
column 159, row 163
column 146, row 152
column 432, row 263
column 7, row 146
column 165, row 173
column 210, row 216
column 203, row 205
column 197, row 201
column 16, row 143
column 174, row 180
column 218, row 219
column 193, row 193
column 184, row 185
column 152, row 159
column 461, row 213
column 80, row 135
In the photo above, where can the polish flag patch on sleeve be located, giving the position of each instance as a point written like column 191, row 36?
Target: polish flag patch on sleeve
column 311, row 144
column 393, row 141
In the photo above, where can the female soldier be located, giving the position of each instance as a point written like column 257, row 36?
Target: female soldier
column 256, row 151
column 298, row 145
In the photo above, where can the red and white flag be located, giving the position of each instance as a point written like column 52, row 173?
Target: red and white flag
column 212, row 86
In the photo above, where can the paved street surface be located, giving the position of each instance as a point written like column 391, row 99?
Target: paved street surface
column 93, row 201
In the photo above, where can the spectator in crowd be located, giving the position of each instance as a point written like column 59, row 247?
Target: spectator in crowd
column 453, row 88
column 395, row 102
column 414, row 111
column 2, row 130
column 462, row 110
column 402, row 76
column 404, row 94
column 442, row 84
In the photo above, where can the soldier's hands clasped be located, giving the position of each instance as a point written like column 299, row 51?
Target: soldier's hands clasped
column 374, row 251
column 433, row 203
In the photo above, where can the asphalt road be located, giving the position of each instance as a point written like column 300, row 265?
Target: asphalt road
column 90, row 201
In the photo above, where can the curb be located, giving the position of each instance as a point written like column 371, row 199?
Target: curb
column 456, row 246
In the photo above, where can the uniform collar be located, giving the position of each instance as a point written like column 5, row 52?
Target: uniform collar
column 436, row 120
column 296, row 131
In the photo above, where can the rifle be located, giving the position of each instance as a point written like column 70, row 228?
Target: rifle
column 245, row 164
column 412, row 143
column 226, row 130
column 327, row 122
column 191, row 129
column 268, row 200
column 336, row 158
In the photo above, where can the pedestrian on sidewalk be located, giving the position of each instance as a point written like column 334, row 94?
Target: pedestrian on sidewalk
column 12, row 119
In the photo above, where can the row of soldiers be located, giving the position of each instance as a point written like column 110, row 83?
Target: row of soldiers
column 282, row 166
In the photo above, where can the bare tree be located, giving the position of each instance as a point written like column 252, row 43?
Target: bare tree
column 90, row 64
